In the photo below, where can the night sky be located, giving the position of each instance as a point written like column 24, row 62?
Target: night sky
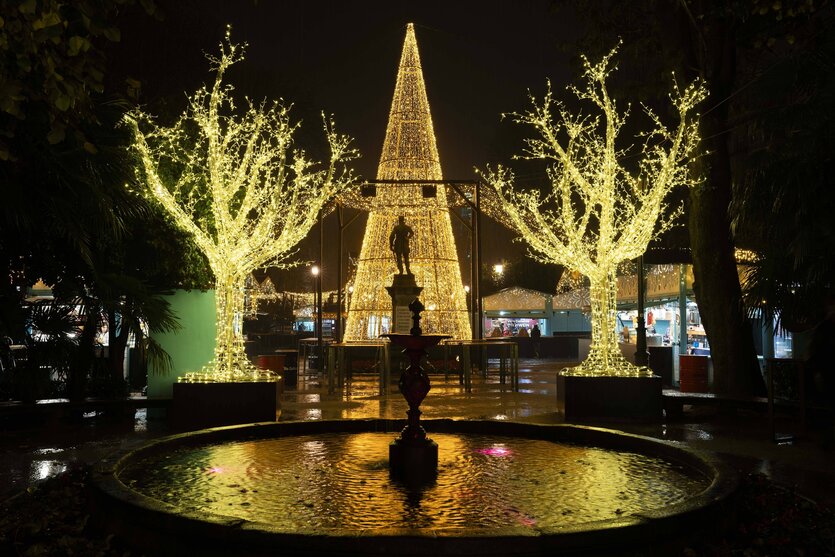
column 479, row 59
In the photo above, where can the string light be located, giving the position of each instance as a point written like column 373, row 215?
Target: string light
column 598, row 213
column 570, row 280
column 265, row 292
column 746, row 256
column 516, row 298
column 237, row 184
column 409, row 153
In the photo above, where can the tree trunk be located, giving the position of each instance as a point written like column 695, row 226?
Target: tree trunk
column 735, row 367
column 230, row 357
column 603, row 291
column 605, row 357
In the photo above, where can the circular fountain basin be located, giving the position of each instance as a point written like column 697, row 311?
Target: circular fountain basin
column 502, row 488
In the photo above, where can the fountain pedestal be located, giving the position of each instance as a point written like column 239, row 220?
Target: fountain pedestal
column 413, row 457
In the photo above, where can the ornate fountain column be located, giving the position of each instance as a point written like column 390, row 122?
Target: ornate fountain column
column 413, row 457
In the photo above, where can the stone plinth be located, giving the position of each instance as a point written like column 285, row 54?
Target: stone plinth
column 403, row 291
column 609, row 398
column 202, row 405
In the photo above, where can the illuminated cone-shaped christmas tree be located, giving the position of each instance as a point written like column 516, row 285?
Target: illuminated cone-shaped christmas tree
column 409, row 153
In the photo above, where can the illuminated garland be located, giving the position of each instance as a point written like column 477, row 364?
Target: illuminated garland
column 264, row 292
column 570, row 280
column 598, row 213
column 409, row 152
column 516, row 298
column 242, row 190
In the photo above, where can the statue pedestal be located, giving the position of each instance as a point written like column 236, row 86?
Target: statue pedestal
column 403, row 291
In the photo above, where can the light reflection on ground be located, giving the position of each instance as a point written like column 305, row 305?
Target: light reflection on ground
column 43, row 469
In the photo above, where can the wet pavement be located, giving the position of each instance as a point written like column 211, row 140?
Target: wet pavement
column 742, row 437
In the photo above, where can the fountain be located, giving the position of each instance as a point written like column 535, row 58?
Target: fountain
column 478, row 488
column 325, row 487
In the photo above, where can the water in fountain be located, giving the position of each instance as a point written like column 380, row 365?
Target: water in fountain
column 341, row 481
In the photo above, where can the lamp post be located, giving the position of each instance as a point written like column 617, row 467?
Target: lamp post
column 469, row 296
column 318, row 279
column 348, row 295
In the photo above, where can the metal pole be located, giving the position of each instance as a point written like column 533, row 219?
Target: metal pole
column 641, row 356
column 477, row 294
column 471, row 308
column 339, row 292
column 682, row 309
column 319, row 341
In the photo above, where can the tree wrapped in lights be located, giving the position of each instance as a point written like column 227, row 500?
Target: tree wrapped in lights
column 599, row 213
column 235, row 182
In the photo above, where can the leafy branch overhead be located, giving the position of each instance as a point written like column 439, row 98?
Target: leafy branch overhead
column 53, row 65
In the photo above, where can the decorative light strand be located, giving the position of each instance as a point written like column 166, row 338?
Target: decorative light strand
column 237, row 184
column 409, row 153
column 598, row 213
column 516, row 298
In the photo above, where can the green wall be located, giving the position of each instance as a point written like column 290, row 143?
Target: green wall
column 192, row 346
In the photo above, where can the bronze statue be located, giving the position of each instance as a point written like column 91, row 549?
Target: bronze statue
column 399, row 244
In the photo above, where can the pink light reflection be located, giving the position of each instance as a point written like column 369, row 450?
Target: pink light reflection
column 215, row 470
column 495, row 451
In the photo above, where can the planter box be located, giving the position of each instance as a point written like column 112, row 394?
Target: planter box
column 693, row 374
column 609, row 398
column 202, row 405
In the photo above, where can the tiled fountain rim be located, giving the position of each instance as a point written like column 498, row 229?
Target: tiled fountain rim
column 709, row 509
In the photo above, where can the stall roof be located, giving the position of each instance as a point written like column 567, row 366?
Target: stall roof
column 517, row 298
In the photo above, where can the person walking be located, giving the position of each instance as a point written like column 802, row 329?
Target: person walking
column 536, row 334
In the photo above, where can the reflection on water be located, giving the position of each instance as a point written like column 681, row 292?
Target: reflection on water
column 43, row 469
column 341, row 481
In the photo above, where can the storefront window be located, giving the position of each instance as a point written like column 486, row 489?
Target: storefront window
column 512, row 326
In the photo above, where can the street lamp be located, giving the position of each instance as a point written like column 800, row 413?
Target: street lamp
column 498, row 274
column 347, row 303
column 314, row 270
